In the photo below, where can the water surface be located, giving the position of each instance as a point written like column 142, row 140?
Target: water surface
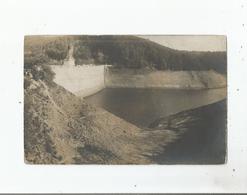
column 143, row 106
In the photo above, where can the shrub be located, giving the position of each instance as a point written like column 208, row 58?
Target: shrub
column 57, row 50
column 81, row 51
column 34, row 59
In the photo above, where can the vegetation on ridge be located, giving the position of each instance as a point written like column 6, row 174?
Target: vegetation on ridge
column 119, row 51
column 135, row 52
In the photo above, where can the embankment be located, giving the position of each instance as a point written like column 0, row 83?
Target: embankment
column 61, row 128
column 200, row 135
column 140, row 78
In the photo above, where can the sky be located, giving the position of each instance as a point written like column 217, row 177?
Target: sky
column 190, row 42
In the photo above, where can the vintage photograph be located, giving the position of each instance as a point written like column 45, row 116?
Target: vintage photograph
column 125, row 99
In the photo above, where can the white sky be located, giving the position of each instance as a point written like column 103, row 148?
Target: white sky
column 190, row 42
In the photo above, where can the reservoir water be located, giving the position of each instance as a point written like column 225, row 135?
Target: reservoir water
column 143, row 106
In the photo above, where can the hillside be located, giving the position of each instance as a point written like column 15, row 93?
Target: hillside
column 120, row 51
column 200, row 135
column 61, row 128
column 135, row 52
column 45, row 50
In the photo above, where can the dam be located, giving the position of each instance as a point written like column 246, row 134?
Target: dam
column 81, row 80
column 85, row 80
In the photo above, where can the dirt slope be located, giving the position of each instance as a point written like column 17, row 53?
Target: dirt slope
column 61, row 128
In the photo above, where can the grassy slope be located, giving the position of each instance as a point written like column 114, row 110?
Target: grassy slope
column 201, row 135
column 62, row 128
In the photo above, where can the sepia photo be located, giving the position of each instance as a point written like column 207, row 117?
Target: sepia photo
column 125, row 99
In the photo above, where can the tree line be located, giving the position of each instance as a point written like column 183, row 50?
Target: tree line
column 135, row 52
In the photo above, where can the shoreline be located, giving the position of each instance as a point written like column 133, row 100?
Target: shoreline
column 164, row 87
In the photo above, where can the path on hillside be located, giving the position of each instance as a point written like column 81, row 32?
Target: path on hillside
column 70, row 61
column 47, row 93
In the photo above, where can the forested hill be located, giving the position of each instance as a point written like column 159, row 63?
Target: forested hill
column 120, row 51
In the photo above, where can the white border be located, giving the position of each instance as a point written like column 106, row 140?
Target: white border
column 19, row 18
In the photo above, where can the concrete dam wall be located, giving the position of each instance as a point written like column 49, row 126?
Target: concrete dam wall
column 86, row 80
column 81, row 80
